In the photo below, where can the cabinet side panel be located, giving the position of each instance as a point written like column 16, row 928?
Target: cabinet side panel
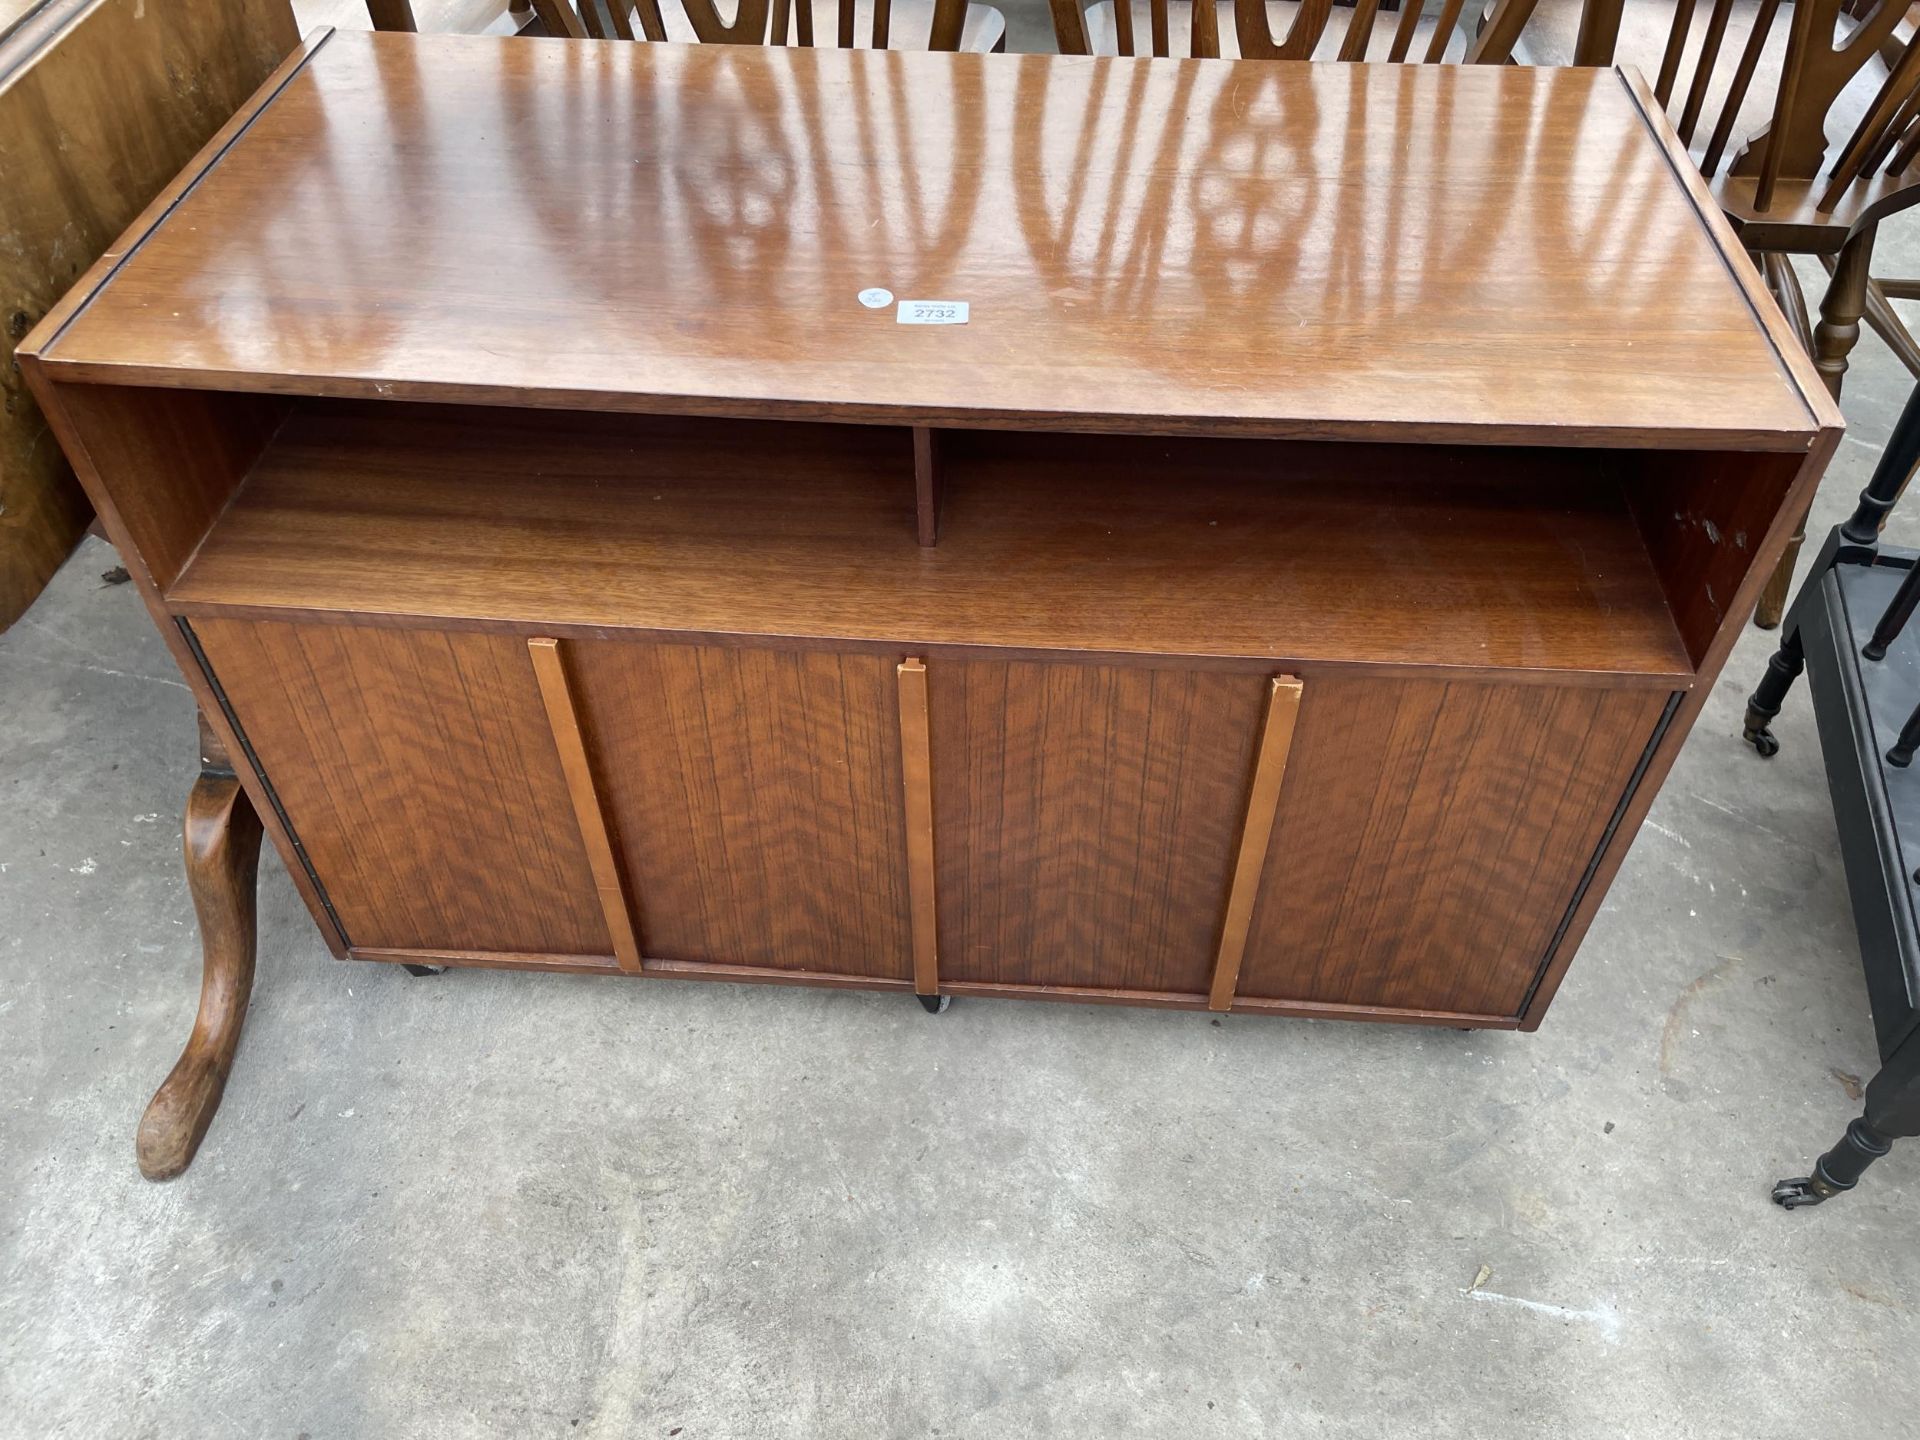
column 1085, row 818
column 165, row 463
column 1431, row 837
column 756, row 801
column 1704, row 519
column 419, row 772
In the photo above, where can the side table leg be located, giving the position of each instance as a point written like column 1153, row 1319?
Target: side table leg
column 1893, row 1112
column 223, row 861
column 1783, row 668
column 1837, row 1171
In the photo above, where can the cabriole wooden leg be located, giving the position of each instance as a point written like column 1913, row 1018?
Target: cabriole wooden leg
column 223, row 862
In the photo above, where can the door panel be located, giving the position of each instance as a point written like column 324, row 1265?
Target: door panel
column 756, row 799
column 420, row 776
column 1085, row 819
column 1431, row 836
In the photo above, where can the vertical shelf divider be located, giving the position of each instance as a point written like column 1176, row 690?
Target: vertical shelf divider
column 1263, row 805
column 926, row 484
column 916, row 767
column 549, row 668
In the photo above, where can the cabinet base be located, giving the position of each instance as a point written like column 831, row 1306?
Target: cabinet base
column 972, row 989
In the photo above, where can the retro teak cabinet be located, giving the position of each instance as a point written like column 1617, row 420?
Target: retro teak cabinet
column 1282, row 595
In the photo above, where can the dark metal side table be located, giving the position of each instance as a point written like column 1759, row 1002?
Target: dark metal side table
column 1848, row 630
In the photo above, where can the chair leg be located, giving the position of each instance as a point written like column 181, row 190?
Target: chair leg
column 1887, row 324
column 1833, row 340
column 223, row 860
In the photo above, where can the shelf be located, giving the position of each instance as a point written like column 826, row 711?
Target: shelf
column 1507, row 559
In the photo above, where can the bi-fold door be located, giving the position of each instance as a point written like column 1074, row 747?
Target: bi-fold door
column 1106, row 830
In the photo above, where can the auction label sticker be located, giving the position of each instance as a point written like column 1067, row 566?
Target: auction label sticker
column 932, row 312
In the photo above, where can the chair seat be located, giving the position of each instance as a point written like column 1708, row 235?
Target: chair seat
column 1103, row 38
column 909, row 25
column 1794, row 223
column 469, row 17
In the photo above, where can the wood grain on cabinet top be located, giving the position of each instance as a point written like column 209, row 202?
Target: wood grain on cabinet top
column 1427, row 252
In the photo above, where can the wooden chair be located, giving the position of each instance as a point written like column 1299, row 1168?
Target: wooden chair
column 895, row 24
column 1483, row 33
column 1760, row 104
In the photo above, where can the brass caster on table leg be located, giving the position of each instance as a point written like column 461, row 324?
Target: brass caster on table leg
column 1783, row 668
column 1799, row 1193
column 223, row 861
column 1756, row 734
column 425, row 969
column 934, row 1004
column 1835, row 1172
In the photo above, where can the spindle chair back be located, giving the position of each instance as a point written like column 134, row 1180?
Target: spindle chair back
column 1294, row 29
column 879, row 24
column 1759, row 102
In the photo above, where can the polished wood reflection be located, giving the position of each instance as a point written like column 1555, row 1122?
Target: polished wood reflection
column 1232, row 242
column 1483, row 34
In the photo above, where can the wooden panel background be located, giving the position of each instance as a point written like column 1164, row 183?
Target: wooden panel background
column 421, row 778
column 1085, row 819
column 1431, row 837
column 756, row 799
column 98, row 108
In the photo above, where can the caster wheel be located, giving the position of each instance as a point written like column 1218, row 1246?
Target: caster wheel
column 1763, row 742
column 934, row 1004
column 425, row 969
column 1792, row 1194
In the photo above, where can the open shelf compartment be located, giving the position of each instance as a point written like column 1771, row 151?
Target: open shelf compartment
column 1268, row 551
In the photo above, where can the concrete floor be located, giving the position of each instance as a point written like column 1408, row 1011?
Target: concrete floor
column 497, row 1205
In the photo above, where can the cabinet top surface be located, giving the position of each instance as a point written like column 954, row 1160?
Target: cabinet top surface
column 1400, row 251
